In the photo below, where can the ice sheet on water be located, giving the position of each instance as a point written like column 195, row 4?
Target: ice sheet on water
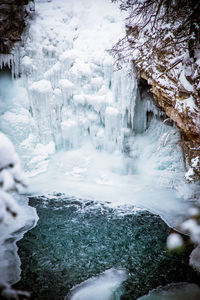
column 178, row 291
column 101, row 287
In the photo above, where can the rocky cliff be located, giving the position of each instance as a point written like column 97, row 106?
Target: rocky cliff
column 162, row 40
column 13, row 14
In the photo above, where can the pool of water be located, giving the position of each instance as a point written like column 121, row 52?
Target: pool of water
column 77, row 239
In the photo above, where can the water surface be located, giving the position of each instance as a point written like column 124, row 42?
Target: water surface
column 76, row 239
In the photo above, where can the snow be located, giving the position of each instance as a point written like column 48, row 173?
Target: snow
column 198, row 62
column 41, row 154
column 189, row 174
column 8, row 155
column 97, row 82
column 195, row 162
column 174, row 241
column 112, row 111
column 26, row 61
column 188, row 103
column 8, row 207
column 47, row 149
column 193, row 212
column 42, row 86
column 11, row 177
column 70, row 55
column 80, row 68
column 65, row 84
column 80, row 99
column 14, row 212
column 197, row 56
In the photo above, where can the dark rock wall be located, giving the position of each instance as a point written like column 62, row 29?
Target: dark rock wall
column 13, row 14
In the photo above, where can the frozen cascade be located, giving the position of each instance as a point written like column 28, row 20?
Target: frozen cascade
column 82, row 128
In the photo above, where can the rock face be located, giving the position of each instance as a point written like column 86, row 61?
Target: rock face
column 176, row 91
column 169, row 66
column 180, row 104
column 162, row 40
column 13, row 14
column 177, row 102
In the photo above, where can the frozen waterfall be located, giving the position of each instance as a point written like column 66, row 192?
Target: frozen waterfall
column 80, row 127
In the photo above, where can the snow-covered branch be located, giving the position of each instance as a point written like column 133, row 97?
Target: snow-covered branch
column 11, row 177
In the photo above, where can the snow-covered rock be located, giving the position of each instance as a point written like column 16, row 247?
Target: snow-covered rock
column 168, row 66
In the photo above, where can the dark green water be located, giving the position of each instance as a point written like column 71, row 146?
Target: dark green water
column 76, row 239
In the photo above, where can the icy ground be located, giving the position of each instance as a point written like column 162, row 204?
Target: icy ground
column 81, row 128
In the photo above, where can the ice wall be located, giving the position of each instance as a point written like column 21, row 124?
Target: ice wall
column 72, row 96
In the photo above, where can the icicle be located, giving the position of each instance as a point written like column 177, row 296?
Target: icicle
column 112, row 129
column 6, row 60
column 12, row 60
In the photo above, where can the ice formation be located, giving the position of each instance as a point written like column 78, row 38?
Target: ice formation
column 82, row 128
column 101, row 287
column 12, row 60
